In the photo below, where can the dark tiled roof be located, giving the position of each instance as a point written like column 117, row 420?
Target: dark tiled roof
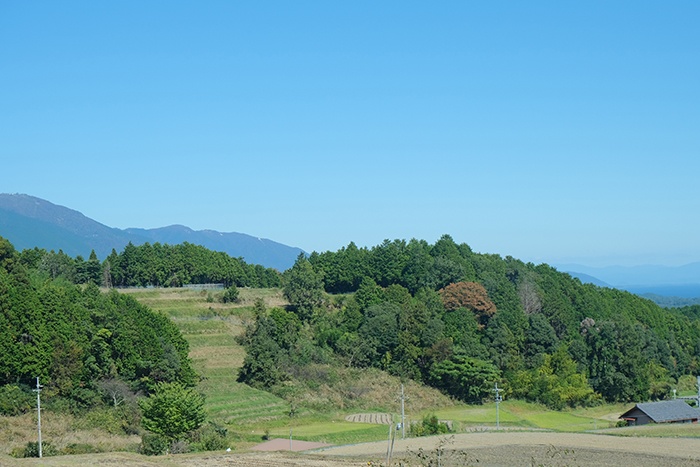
column 667, row 411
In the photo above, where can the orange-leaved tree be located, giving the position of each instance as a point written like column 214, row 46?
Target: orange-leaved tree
column 469, row 295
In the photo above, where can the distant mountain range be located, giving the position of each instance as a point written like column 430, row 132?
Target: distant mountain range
column 639, row 275
column 28, row 222
column 658, row 283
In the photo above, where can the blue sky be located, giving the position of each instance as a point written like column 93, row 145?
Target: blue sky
column 548, row 131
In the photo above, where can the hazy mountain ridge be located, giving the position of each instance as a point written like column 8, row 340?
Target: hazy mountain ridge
column 30, row 222
column 665, row 285
column 620, row 276
column 587, row 279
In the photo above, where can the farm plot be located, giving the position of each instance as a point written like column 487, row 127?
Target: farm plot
column 483, row 449
column 374, row 418
column 210, row 329
column 534, row 448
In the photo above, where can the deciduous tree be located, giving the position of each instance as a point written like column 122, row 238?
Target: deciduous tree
column 172, row 410
column 470, row 295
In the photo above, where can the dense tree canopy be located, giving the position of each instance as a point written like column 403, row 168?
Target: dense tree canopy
column 72, row 337
column 443, row 314
column 155, row 265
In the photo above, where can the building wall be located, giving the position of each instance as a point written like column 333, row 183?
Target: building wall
column 641, row 417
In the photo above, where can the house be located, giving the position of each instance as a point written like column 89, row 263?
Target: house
column 674, row 411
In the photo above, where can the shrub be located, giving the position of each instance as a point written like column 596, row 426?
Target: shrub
column 172, row 410
column 31, row 449
column 213, row 442
column 153, row 444
column 211, row 437
column 80, row 448
column 14, row 401
column 429, row 426
column 231, row 295
column 179, row 447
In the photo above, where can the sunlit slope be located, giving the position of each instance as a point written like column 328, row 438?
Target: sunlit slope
column 211, row 328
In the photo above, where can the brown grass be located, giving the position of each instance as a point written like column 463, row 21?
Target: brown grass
column 60, row 430
column 334, row 388
column 217, row 357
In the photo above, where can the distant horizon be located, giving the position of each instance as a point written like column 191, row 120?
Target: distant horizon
column 547, row 131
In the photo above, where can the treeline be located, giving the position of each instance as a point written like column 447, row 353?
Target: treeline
column 84, row 345
column 156, row 265
column 461, row 321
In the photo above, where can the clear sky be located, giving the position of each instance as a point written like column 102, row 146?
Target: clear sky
column 549, row 131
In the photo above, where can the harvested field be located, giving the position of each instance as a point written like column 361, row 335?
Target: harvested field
column 536, row 448
column 480, row 449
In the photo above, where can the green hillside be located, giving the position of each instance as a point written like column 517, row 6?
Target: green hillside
column 339, row 338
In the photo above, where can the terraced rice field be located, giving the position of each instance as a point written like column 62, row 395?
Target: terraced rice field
column 211, row 329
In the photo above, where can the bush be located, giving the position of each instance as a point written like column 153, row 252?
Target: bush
column 172, row 410
column 429, row 426
column 231, row 295
column 211, row 437
column 153, row 445
column 214, row 442
column 80, row 448
column 14, row 401
column 179, row 447
column 31, row 449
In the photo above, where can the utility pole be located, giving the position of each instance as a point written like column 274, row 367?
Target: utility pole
column 38, row 411
column 292, row 413
column 388, row 441
column 499, row 398
column 403, row 415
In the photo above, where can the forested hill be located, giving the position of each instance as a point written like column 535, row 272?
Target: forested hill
column 460, row 321
column 437, row 313
column 78, row 340
column 30, row 222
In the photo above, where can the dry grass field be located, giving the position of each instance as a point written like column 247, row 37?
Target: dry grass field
column 536, row 448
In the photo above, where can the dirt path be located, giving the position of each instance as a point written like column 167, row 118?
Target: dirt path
column 281, row 444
